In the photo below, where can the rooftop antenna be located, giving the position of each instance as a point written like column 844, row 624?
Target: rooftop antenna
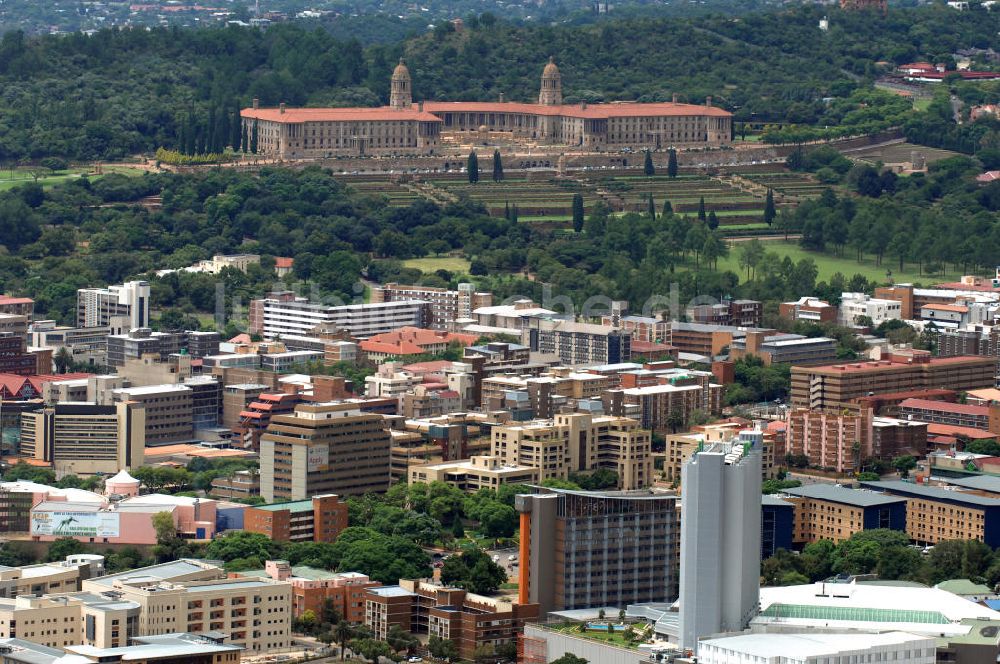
column 256, row 9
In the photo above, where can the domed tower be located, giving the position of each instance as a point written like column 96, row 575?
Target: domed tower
column 401, row 93
column 551, row 92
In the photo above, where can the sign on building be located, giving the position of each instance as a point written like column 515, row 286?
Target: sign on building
column 318, row 458
column 75, row 524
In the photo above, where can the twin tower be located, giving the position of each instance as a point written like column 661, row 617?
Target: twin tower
column 401, row 91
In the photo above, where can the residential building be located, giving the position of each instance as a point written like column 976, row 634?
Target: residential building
column 934, row 515
column 577, row 343
column 854, row 306
column 833, row 512
column 577, row 442
column 169, row 411
column 85, row 439
column 701, row 339
column 318, row 519
column 323, row 448
column 677, row 394
column 505, row 318
column 777, row 525
column 137, row 343
column 283, row 313
column 313, row 589
column 64, row 576
column 255, row 419
column 219, row 262
column 430, row 401
column 391, row 381
column 832, row 385
column 943, row 412
column 289, row 360
column 738, row 313
column 809, row 309
column 447, row 306
column 122, row 308
column 473, row 474
column 833, row 440
column 641, row 328
column 720, row 540
column 784, row 348
column 237, row 398
column 86, row 345
column 679, row 447
column 812, row 648
column 470, row 621
column 573, row 554
column 412, row 341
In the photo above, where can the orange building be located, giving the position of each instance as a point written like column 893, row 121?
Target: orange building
column 320, row 519
column 313, row 588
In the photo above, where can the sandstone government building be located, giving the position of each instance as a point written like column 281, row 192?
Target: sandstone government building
column 405, row 128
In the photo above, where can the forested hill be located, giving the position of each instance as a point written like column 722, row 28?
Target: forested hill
column 121, row 92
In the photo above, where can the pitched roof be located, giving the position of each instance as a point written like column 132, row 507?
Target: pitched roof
column 592, row 111
column 299, row 115
column 945, row 407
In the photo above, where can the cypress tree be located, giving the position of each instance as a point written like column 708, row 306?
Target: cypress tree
column 253, row 138
column 672, row 163
column 210, row 131
column 244, row 144
column 667, row 207
column 701, row 209
column 769, row 212
column 191, row 139
column 236, row 129
column 577, row 212
column 651, row 207
column 506, row 210
column 647, row 168
column 497, row 166
column 513, row 213
column 713, row 220
column 473, row 167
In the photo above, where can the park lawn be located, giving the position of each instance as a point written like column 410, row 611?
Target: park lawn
column 828, row 264
column 921, row 104
column 21, row 176
column 615, row 638
column 450, row 263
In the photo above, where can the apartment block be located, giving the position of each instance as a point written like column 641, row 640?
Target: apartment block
column 642, row 328
column 833, row 512
column 324, row 448
column 679, row 448
column 313, row 588
column 284, row 313
column 738, row 313
column 447, row 306
column 240, row 485
column 854, row 306
column 319, row 519
column 934, row 515
column 577, row 343
column 85, row 439
column 809, row 309
column 832, row 385
column 473, row 474
column 18, row 306
column 575, row 442
column 682, row 393
column 64, row 576
column 470, row 621
column 122, row 307
column 16, row 359
column 943, row 412
column 140, row 342
column 168, row 411
column 702, row 339
column 60, row 621
column 573, row 554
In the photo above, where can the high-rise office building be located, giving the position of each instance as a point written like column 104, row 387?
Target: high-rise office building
column 323, row 448
column 585, row 549
column 720, row 538
column 123, row 307
column 86, row 439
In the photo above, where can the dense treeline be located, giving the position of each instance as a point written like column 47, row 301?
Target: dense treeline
column 120, row 92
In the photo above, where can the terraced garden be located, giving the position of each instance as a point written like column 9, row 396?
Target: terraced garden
column 737, row 200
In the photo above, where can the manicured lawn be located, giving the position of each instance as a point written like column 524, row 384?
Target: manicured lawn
column 828, row 264
column 450, row 263
column 921, row 104
column 21, row 176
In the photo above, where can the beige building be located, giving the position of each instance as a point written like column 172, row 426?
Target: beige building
column 169, row 411
column 324, row 448
column 478, row 472
column 447, row 306
column 85, row 439
column 680, row 447
column 59, row 577
column 254, row 613
column 407, row 128
column 58, row 621
column 576, row 442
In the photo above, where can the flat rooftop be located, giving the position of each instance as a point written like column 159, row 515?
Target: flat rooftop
column 838, row 494
column 932, row 493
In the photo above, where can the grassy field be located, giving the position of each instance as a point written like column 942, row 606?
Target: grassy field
column 828, row 264
column 9, row 180
column 450, row 263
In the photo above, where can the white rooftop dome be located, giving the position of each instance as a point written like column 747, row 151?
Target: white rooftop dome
column 122, row 478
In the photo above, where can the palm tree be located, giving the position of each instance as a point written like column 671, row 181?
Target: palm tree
column 343, row 633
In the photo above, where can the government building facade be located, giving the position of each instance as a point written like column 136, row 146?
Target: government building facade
column 405, row 128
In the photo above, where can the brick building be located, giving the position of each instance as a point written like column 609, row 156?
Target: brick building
column 320, row 519
column 833, row 512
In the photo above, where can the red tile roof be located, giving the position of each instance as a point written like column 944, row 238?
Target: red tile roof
column 949, row 430
column 9, row 299
column 299, row 115
column 413, row 341
column 284, row 262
